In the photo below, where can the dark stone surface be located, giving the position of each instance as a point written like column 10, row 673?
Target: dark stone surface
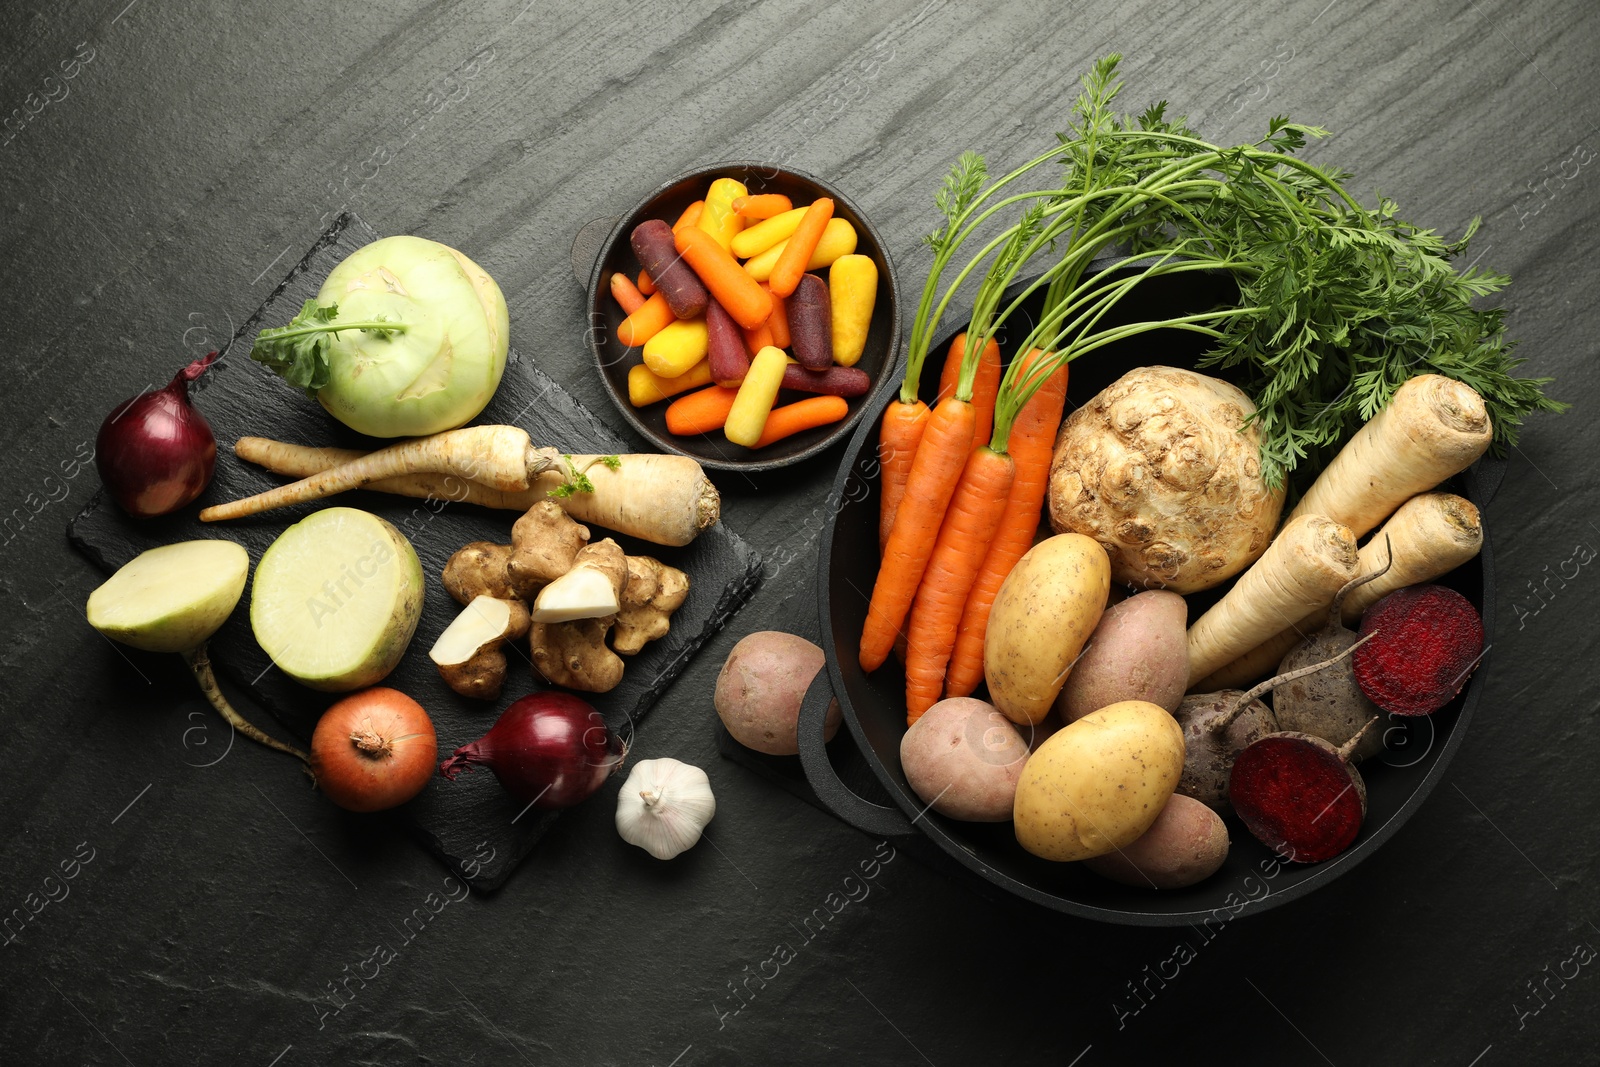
column 152, row 208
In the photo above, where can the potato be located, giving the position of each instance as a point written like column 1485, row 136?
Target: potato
column 1047, row 607
column 963, row 758
column 761, row 687
column 1138, row 652
column 1186, row 844
column 1099, row 783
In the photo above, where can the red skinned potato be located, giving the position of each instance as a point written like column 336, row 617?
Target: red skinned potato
column 1139, row 651
column 1186, row 844
column 964, row 758
column 761, row 687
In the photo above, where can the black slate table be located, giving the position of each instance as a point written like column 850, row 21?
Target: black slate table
column 166, row 161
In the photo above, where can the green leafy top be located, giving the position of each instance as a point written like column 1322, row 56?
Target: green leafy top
column 298, row 352
column 578, row 480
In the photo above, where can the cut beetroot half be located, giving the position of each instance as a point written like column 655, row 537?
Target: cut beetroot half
column 1427, row 641
column 1299, row 796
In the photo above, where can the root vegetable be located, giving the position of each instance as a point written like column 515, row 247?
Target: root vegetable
column 549, row 751
column 1433, row 427
column 336, row 599
column 1299, row 795
column 1425, row 642
column 838, row 239
column 652, row 243
column 652, row 593
column 645, row 387
column 1098, row 784
column 727, row 358
column 811, row 323
column 469, row 654
column 761, row 686
column 1304, row 567
column 479, row 569
column 748, row 416
column 1162, row 470
column 964, row 759
column 1432, row 535
column 574, row 654
column 590, row 589
column 666, row 500
column 173, row 599
column 1137, row 652
column 373, row 750
column 677, row 349
column 836, row 381
column 1186, row 844
column 544, row 543
column 853, row 288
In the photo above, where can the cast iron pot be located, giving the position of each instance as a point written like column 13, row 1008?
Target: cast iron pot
column 1416, row 754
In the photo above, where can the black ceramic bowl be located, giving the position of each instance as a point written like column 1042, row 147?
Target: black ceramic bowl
column 1398, row 780
column 614, row 359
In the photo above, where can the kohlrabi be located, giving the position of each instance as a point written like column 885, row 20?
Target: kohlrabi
column 406, row 337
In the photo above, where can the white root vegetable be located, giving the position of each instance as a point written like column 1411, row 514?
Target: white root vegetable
column 666, row 500
column 1431, row 535
column 1302, row 570
column 1434, row 427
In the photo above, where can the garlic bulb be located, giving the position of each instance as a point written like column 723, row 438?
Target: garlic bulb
column 663, row 806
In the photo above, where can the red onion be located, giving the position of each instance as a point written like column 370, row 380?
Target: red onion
column 549, row 750
column 155, row 451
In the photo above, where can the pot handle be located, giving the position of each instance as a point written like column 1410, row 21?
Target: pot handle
column 837, row 797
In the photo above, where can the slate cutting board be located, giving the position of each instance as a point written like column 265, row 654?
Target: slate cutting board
column 471, row 818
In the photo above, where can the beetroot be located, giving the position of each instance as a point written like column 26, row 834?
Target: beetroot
column 1425, row 642
column 1299, row 795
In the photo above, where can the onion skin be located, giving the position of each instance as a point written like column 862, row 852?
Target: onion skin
column 373, row 750
column 549, row 750
column 155, row 452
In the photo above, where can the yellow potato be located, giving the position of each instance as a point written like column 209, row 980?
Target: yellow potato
column 1048, row 606
column 1098, row 784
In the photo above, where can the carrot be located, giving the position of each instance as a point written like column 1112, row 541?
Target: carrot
column 1300, row 572
column 626, row 295
column 687, row 502
column 941, row 456
column 760, row 337
column 740, row 295
column 652, row 317
column 700, row 412
column 797, row 253
column 762, row 205
column 1031, row 444
column 807, row 414
column 690, row 216
column 985, row 386
column 718, row 217
column 1430, row 536
column 778, row 321
column 1432, row 428
column 958, row 555
column 645, row 387
column 646, row 286
column 898, row 438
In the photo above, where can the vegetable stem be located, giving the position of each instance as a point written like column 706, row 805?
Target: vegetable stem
column 199, row 661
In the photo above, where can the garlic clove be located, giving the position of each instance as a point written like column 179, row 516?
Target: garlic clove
column 664, row 806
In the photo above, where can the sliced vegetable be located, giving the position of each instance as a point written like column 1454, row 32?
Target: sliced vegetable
column 1425, row 643
column 469, row 653
column 590, row 589
column 1299, row 795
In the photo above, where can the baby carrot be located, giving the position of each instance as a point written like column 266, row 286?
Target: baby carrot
column 778, row 321
column 838, row 239
column 804, row 414
column 754, row 240
column 718, row 218
column 646, row 286
column 645, row 323
column 762, row 206
column 756, row 394
column 853, row 289
column 761, row 337
column 792, row 262
column 690, row 216
column 646, row 388
column 679, row 346
column 628, row 297
column 740, row 295
column 702, row 412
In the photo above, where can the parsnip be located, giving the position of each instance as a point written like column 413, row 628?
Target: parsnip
column 666, row 500
column 1433, row 427
column 1431, row 535
column 1302, row 569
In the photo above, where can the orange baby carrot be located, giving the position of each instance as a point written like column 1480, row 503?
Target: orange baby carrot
column 941, row 457
column 898, row 438
column 649, row 320
column 646, row 286
column 804, row 414
column 958, row 554
column 740, row 295
column 761, row 206
column 690, row 216
column 626, row 295
column 797, row 253
column 700, row 412
column 778, row 321
column 984, row 385
column 1031, row 444
column 761, row 337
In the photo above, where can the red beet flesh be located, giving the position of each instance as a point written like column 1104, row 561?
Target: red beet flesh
column 1295, row 794
column 1429, row 639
